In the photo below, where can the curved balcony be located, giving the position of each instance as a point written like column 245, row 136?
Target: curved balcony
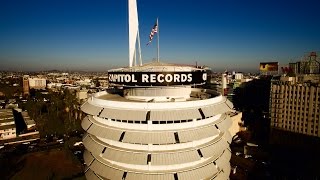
column 154, row 137
column 213, row 169
column 157, row 158
column 106, row 100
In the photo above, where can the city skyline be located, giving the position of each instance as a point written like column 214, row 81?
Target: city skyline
column 93, row 36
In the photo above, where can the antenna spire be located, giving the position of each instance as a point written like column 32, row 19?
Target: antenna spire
column 133, row 33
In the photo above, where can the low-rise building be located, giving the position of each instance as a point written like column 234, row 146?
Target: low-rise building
column 16, row 127
column 7, row 124
column 238, row 76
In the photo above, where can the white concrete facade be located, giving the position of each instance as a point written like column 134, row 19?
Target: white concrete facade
column 7, row 124
column 37, row 83
column 130, row 138
column 238, row 76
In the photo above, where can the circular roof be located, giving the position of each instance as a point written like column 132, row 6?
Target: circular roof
column 159, row 67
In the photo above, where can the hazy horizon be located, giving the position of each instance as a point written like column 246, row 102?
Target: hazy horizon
column 93, row 35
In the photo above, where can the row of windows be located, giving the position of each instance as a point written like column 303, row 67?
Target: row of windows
column 296, row 127
column 291, row 103
column 156, row 122
column 294, row 98
column 283, row 113
column 6, row 134
column 306, row 125
column 295, row 121
column 171, row 122
column 277, row 92
column 303, row 106
column 9, row 129
column 289, row 115
column 128, row 121
column 295, row 95
column 303, row 130
column 292, row 89
column 296, row 114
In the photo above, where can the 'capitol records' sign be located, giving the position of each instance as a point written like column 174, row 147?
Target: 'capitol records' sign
column 157, row 78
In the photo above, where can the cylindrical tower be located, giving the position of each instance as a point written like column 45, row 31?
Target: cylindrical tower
column 155, row 125
column 224, row 84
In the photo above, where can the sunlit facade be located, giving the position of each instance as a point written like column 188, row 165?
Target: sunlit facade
column 168, row 132
column 294, row 104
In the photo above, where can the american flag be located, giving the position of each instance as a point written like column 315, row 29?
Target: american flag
column 154, row 30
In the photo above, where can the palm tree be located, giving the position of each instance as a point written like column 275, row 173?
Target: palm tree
column 71, row 103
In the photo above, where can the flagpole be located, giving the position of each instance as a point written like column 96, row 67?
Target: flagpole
column 158, row 59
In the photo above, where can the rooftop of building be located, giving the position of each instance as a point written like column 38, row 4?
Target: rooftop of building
column 312, row 79
column 159, row 67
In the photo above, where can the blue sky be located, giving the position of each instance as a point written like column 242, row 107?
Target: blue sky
column 93, row 35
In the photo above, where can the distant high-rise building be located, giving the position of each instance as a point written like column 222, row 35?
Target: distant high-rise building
column 294, row 68
column 37, row 83
column 25, row 82
column 310, row 64
column 224, row 80
column 295, row 104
